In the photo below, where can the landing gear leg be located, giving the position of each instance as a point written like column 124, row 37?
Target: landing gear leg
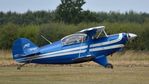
column 20, row 66
column 109, row 66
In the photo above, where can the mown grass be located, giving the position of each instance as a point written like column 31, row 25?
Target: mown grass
column 74, row 75
column 86, row 73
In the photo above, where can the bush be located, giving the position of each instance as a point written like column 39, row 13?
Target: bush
column 56, row 31
column 8, row 33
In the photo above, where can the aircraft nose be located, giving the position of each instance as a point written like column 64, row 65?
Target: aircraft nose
column 131, row 36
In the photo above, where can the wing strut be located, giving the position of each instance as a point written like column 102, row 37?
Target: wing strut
column 82, row 40
column 46, row 39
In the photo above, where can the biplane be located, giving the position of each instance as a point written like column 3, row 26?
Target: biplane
column 91, row 44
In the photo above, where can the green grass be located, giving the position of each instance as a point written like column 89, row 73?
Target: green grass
column 73, row 75
column 87, row 73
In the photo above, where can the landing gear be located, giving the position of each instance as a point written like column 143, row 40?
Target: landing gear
column 109, row 66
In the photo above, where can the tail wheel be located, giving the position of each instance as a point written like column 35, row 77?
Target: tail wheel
column 109, row 66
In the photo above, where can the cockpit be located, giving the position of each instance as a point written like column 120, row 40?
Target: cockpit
column 81, row 36
column 74, row 39
column 99, row 33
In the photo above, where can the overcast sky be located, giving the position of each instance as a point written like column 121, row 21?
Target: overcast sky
column 22, row 6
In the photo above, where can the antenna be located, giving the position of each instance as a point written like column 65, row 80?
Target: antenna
column 46, row 39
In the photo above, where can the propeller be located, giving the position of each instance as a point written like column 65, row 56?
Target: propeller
column 131, row 36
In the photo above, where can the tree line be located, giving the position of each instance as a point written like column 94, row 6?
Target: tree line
column 42, row 17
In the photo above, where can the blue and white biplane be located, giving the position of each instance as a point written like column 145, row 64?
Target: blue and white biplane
column 91, row 44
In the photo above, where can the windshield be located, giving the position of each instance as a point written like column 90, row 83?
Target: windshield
column 73, row 39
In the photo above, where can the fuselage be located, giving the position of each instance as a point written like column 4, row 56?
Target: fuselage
column 57, row 53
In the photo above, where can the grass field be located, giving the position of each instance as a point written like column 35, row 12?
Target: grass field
column 130, row 68
column 74, row 75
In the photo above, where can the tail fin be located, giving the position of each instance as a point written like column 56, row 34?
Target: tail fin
column 23, row 48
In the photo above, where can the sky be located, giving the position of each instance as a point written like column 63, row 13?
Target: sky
column 22, row 6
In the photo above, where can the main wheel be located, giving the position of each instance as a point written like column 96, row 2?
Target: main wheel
column 109, row 66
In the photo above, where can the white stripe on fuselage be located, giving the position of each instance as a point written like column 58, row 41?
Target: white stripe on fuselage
column 66, row 53
column 58, row 53
column 108, row 42
column 107, row 47
column 63, row 51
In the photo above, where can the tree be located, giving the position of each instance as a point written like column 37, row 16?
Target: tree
column 69, row 11
column 8, row 34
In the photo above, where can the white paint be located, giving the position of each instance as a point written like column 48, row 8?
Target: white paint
column 32, row 49
column 26, row 45
column 107, row 47
column 63, row 51
column 108, row 42
column 99, row 28
column 55, row 55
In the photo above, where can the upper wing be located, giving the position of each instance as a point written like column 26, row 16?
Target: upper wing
column 92, row 31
